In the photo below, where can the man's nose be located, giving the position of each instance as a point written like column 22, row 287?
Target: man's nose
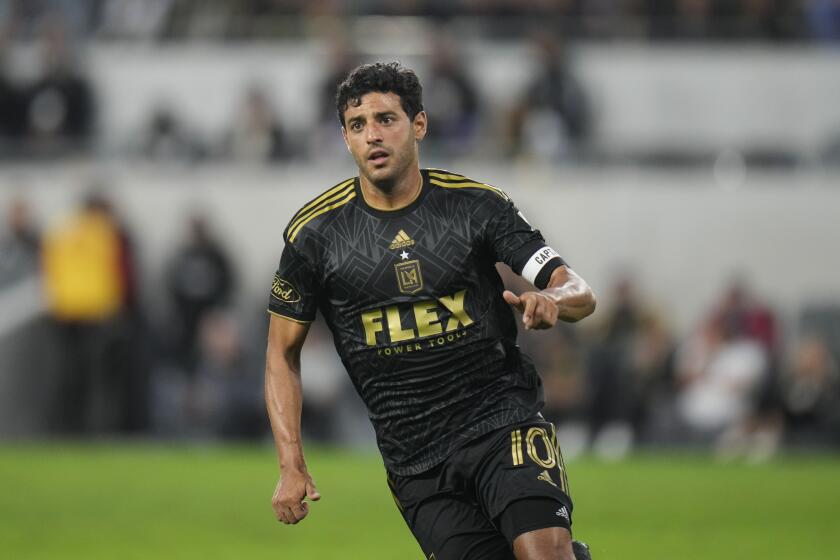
column 374, row 133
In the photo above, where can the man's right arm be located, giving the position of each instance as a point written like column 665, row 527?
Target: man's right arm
column 283, row 398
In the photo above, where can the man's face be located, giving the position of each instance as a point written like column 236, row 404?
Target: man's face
column 381, row 137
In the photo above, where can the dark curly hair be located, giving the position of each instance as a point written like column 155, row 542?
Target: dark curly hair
column 391, row 77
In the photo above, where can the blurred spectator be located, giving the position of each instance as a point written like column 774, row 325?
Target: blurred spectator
column 226, row 398
column 127, row 384
column 741, row 310
column 82, row 265
column 652, row 370
column 451, row 99
column 60, row 105
column 12, row 123
column 552, row 119
column 610, row 384
column 21, row 300
column 24, row 394
column 257, row 134
column 720, row 373
column 809, row 390
column 199, row 279
column 19, row 245
column 802, row 407
column 84, row 289
column 167, row 139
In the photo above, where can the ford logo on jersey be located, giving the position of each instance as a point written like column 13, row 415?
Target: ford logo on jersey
column 283, row 290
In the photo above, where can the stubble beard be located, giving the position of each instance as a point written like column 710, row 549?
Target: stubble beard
column 386, row 184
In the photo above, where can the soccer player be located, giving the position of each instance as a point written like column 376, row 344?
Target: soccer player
column 401, row 262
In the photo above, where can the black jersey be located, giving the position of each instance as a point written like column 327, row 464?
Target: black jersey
column 415, row 306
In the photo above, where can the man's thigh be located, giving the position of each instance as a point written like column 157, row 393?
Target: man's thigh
column 551, row 542
column 446, row 523
column 452, row 529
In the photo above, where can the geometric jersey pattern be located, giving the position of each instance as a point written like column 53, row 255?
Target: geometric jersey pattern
column 414, row 303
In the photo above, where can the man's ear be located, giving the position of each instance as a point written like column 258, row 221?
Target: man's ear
column 420, row 123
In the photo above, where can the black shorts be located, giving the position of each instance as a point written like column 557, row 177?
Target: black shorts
column 474, row 504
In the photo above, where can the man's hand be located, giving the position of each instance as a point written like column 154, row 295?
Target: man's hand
column 288, row 502
column 566, row 298
column 538, row 310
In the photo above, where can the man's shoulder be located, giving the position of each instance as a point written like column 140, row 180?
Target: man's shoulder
column 451, row 182
column 329, row 200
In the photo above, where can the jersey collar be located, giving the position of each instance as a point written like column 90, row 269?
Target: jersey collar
column 424, row 189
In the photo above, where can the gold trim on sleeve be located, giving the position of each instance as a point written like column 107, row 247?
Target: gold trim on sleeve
column 302, row 322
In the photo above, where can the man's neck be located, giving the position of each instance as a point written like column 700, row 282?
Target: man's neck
column 393, row 196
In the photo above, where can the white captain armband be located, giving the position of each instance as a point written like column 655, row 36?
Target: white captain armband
column 540, row 265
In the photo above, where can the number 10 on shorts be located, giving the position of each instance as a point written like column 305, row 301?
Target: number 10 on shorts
column 540, row 447
column 529, row 443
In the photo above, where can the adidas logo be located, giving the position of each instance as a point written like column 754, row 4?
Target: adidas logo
column 545, row 477
column 563, row 512
column 401, row 240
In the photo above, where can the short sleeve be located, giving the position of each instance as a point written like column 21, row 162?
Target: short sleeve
column 513, row 241
column 294, row 290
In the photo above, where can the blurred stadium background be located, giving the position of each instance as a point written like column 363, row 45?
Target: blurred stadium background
column 683, row 155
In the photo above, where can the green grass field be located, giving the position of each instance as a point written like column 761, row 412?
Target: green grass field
column 138, row 501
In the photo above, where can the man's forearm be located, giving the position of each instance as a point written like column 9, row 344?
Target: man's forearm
column 571, row 295
column 283, row 397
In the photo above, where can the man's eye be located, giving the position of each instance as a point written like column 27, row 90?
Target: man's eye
column 387, row 120
column 356, row 125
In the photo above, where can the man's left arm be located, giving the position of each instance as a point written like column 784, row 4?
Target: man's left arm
column 561, row 293
column 567, row 297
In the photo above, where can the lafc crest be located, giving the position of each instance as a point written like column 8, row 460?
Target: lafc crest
column 409, row 278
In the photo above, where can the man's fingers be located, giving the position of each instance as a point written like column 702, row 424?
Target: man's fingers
column 312, row 492
column 284, row 514
column 300, row 511
column 528, row 312
column 289, row 502
column 291, row 514
column 512, row 299
column 536, row 313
